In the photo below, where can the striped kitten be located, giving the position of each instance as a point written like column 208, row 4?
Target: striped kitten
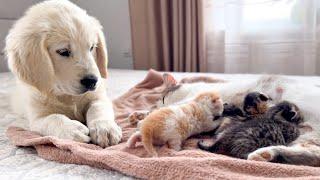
column 278, row 126
column 174, row 124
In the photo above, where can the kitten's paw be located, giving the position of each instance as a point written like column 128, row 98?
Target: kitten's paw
column 174, row 144
column 136, row 116
column 264, row 154
column 105, row 133
column 133, row 139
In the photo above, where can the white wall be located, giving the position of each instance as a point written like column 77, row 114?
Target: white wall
column 113, row 15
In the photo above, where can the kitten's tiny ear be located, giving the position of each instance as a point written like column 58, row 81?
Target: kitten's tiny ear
column 289, row 116
column 264, row 97
column 169, row 80
column 293, row 114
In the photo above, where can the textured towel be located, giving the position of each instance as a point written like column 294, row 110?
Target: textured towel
column 189, row 163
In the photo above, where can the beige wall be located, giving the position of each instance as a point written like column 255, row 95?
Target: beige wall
column 113, row 15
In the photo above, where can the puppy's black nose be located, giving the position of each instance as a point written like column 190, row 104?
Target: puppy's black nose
column 89, row 82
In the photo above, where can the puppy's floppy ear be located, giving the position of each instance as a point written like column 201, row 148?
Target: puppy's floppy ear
column 29, row 59
column 101, row 50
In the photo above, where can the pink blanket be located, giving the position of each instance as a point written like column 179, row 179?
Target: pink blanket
column 190, row 163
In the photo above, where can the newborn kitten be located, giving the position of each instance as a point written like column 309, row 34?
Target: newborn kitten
column 174, row 124
column 231, row 115
column 277, row 127
column 254, row 104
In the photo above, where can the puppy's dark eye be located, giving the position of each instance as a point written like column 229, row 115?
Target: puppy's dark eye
column 64, row 52
column 91, row 48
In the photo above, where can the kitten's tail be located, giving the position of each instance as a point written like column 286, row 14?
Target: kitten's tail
column 134, row 138
column 147, row 140
column 212, row 148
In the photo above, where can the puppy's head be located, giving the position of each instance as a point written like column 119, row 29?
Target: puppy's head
column 56, row 47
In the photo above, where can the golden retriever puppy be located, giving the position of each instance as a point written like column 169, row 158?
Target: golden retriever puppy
column 58, row 54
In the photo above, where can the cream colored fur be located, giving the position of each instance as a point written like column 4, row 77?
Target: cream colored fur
column 174, row 124
column 49, row 93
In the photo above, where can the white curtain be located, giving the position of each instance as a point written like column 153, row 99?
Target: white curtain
column 263, row 36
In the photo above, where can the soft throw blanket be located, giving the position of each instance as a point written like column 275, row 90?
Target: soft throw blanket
column 189, row 163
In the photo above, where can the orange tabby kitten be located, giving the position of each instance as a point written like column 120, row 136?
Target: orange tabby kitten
column 176, row 123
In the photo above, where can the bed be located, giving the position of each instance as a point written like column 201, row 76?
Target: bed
column 23, row 163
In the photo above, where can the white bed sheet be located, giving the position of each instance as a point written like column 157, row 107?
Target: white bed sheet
column 23, row 163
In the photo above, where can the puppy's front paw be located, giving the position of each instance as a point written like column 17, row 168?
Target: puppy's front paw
column 73, row 130
column 105, row 133
column 263, row 154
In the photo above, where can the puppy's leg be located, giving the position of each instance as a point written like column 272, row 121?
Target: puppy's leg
column 299, row 154
column 60, row 126
column 100, row 120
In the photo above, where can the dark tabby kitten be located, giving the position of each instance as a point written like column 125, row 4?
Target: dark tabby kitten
column 277, row 127
column 254, row 104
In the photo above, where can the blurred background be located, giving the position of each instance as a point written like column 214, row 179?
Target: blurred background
column 221, row 36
